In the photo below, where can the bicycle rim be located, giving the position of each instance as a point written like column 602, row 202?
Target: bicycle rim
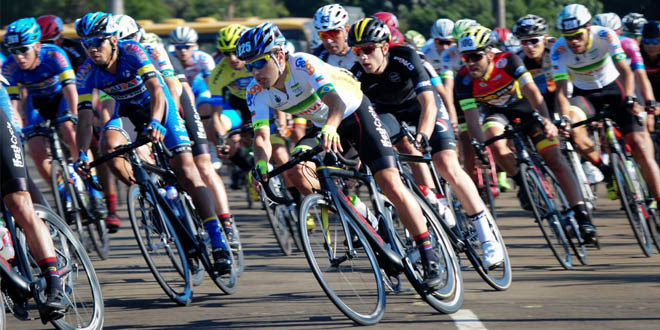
column 160, row 245
column 633, row 204
column 351, row 279
column 544, row 212
column 654, row 227
column 486, row 193
column 100, row 237
column 278, row 225
column 73, row 217
column 77, row 274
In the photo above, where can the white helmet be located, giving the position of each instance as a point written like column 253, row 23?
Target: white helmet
column 442, row 29
column 126, row 26
column 289, row 48
column 330, row 17
column 183, row 35
column 608, row 20
column 573, row 17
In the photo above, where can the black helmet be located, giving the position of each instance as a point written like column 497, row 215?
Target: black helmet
column 530, row 25
column 368, row 30
column 651, row 29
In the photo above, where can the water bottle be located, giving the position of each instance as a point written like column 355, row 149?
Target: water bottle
column 6, row 245
column 77, row 180
column 173, row 198
column 364, row 211
column 440, row 202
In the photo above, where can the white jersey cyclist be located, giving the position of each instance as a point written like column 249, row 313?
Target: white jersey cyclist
column 345, row 61
column 432, row 56
column 307, row 80
column 450, row 62
column 202, row 63
column 594, row 68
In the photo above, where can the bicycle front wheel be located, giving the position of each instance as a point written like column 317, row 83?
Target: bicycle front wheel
column 632, row 201
column 72, row 213
column 78, row 276
column 351, row 278
column 277, row 221
column 546, row 215
column 160, row 245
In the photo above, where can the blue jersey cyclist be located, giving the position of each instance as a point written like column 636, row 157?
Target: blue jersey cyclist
column 45, row 72
column 123, row 70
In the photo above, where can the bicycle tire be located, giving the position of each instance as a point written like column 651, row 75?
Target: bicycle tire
column 292, row 222
column 652, row 220
column 486, row 193
column 152, row 231
column 327, row 254
column 73, row 217
column 278, row 225
column 654, row 227
column 86, row 309
column 569, row 224
column 3, row 317
column 632, row 203
column 100, row 237
column 545, row 216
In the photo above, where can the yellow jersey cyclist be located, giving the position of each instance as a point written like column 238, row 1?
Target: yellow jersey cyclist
column 331, row 98
column 502, row 86
column 592, row 56
column 123, row 70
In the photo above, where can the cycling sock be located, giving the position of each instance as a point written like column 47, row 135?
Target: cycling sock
column 111, row 203
column 226, row 219
column 49, row 271
column 213, row 228
column 295, row 194
column 425, row 247
column 480, row 221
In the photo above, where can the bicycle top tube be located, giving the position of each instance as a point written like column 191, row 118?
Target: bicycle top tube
column 50, row 125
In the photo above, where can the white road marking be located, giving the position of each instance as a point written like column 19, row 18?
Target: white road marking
column 465, row 319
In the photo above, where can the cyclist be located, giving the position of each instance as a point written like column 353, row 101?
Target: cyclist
column 330, row 97
column 441, row 34
column 51, row 33
column 395, row 79
column 651, row 53
column 331, row 23
column 593, row 57
column 415, row 38
column 501, row 84
column 392, row 22
column 14, row 191
column 636, row 62
column 632, row 26
column 45, row 72
column 123, row 70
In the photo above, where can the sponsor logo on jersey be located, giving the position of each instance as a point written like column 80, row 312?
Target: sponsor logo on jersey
column 501, row 63
column 301, row 63
column 405, row 63
column 136, row 49
column 17, row 160
column 59, row 58
column 384, row 136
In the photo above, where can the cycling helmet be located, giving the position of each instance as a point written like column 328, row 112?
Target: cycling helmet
column 126, row 26
column 499, row 35
column 530, row 25
column 289, row 48
column 573, row 17
column 259, row 40
column 368, row 30
column 228, row 37
column 22, row 32
column 330, row 17
column 151, row 38
column 651, row 29
column 461, row 26
column 442, row 29
column 415, row 38
column 95, row 24
column 476, row 38
column 512, row 44
column 51, row 27
column 633, row 23
column 388, row 18
column 183, row 35
column 608, row 20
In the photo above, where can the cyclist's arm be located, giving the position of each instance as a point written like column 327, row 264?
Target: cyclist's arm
column 627, row 77
column 261, row 146
column 428, row 114
column 336, row 108
column 642, row 82
column 71, row 96
column 473, row 124
column 157, row 98
column 562, row 97
column 532, row 93
column 173, row 85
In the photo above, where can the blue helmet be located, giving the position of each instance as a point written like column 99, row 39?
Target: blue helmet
column 259, row 40
column 95, row 25
column 24, row 31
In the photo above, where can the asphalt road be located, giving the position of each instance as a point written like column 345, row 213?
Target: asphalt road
column 620, row 289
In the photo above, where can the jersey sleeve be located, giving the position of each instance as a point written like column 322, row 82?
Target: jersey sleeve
column 257, row 103
column 63, row 66
column 634, row 54
column 85, row 84
column 559, row 69
column 9, row 71
column 179, row 70
column 207, row 63
column 433, row 75
column 516, row 69
column 139, row 60
column 216, row 81
column 160, row 60
column 447, row 70
column 315, row 72
column 616, row 50
column 418, row 72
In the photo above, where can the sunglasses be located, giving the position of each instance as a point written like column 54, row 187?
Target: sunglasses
column 258, row 63
column 332, row 34
column 531, row 41
column 20, row 50
column 443, row 42
column 473, row 57
column 366, row 50
column 573, row 36
column 95, row 42
column 651, row 41
column 180, row 47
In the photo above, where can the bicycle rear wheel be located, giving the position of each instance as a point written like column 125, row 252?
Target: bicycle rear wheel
column 632, row 200
column 350, row 278
column 651, row 210
column 78, row 276
column 545, row 213
column 160, row 245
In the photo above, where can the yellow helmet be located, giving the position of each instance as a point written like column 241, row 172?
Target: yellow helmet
column 228, row 37
column 475, row 38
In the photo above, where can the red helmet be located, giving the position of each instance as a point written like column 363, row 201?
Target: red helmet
column 501, row 34
column 51, row 27
column 388, row 18
column 397, row 38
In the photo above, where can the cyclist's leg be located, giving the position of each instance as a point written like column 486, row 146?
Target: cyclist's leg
column 114, row 135
column 581, row 109
column 37, row 142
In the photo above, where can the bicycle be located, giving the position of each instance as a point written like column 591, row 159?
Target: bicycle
column 631, row 188
column 79, row 214
column 22, row 280
column 166, row 241
column 549, row 205
column 463, row 236
column 349, row 257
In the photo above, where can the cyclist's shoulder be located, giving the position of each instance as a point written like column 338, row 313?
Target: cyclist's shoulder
column 54, row 55
column 449, row 54
column 85, row 72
